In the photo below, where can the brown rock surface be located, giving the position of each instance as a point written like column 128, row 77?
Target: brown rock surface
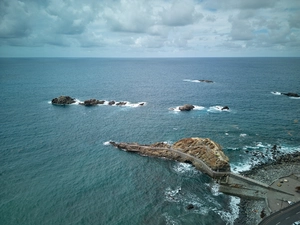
column 204, row 149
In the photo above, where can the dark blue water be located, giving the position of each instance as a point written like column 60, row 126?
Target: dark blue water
column 56, row 166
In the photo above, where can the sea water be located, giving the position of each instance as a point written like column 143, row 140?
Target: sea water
column 56, row 164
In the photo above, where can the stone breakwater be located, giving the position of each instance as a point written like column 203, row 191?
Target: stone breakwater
column 204, row 149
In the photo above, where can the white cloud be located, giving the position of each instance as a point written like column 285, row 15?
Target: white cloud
column 127, row 27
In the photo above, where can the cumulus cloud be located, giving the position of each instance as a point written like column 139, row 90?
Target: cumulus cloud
column 126, row 26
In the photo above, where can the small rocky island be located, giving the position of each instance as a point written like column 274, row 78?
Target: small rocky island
column 67, row 100
column 203, row 149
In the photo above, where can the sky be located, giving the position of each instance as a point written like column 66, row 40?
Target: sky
column 149, row 28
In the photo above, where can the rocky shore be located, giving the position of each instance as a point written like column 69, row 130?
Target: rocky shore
column 251, row 211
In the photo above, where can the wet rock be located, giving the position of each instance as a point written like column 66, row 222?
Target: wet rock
column 92, row 102
column 63, row 100
column 190, row 206
column 186, row 107
column 290, row 94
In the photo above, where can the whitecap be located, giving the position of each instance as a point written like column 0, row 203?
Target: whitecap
column 230, row 217
column 276, row 93
column 183, row 167
column 217, row 108
column 294, row 97
column 106, row 143
column 173, row 195
column 193, row 81
column 243, row 135
column 197, row 107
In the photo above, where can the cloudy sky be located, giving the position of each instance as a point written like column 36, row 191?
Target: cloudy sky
column 149, row 28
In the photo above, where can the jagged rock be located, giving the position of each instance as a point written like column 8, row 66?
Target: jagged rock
column 92, row 102
column 225, row 108
column 291, row 94
column 111, row 102
column 63, row 100
column 201, row 148
column 186, row 107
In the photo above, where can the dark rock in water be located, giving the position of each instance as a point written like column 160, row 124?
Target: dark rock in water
column 186, row 107
column 206, row 81
column 291, row 94
column 91, row 102
column 111, row 102
column 190, row 206
column 63, row 100
column 121, row 103
column 225, row 108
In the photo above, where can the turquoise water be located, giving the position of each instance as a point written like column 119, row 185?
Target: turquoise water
column 56, row 166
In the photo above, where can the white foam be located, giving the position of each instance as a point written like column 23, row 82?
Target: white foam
column 243, row 135
column 77, row 101
column 276, row 93
column 231, row 216
column 183, row 167
column 197, row 107
column 106, row 143
column 217, row 108
column 173, row 195
column 193, row 81
column 294, row 97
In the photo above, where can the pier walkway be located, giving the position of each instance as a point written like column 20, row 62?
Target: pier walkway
column 279, row 195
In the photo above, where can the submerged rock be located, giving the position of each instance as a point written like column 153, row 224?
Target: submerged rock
column 63, row 100
column 204, row 149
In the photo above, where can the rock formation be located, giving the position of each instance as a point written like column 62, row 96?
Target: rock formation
column 186, row 107
column 206, row 81
column 225, row 108
column 291, row 94
column 204, row 149
column 92, row 102
column 63, row 100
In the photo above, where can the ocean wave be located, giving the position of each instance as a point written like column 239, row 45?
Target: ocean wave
column 193, row 81
column 276, row 93
column 196, row 107
column 201, row 206
column 260, row 153
column 198, row 81
column 211, row 109
column 217, row 109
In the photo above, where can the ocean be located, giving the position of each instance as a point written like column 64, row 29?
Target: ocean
column 56, row 164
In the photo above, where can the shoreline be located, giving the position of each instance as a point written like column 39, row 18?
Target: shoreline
column 252, row 211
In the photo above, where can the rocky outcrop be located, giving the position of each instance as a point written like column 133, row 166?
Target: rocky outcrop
column 206, row 81
column 202, row 149
column 290, row 94
column 186, row 107
column 63, row 100
column 225, row 108
column 92, row 102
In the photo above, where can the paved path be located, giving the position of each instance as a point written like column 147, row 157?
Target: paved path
column 286, row 216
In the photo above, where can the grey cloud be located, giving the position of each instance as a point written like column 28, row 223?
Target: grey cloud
column 181, row 13
column 239, row 4
column 14, row 19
